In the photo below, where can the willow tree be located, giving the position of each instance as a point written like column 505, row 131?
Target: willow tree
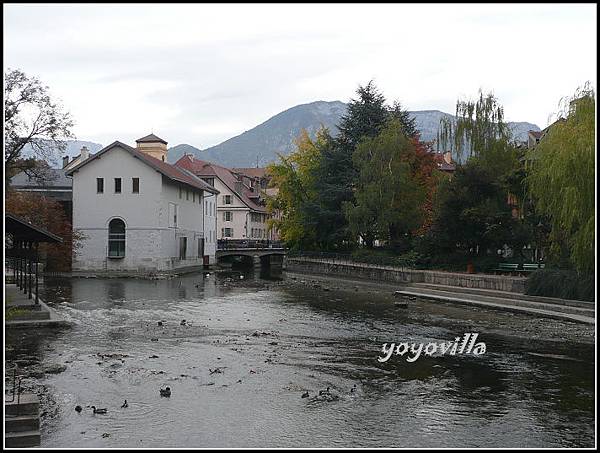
column 478, row 126
column 562, row 177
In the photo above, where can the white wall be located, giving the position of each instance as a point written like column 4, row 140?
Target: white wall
column 151, row 243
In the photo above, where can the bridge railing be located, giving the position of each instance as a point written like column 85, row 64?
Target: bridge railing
column 229, row 244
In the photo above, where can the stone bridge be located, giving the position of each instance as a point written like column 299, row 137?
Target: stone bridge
column 256, row 256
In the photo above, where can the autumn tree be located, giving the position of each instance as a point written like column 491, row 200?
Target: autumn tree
column 562, row 178
column 33, row 119
column 49, row 214
column 295, row 178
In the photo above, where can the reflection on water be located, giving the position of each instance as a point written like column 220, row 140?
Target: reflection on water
column 251, row 344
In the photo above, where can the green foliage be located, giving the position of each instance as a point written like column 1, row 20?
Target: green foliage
column 295, row 177
column 562, row 179
column 385, row 257
column 472, row 216
column 388, row 198
column 479, row 125
column 563, row 284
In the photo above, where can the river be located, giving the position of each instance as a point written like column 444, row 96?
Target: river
column 251, row 345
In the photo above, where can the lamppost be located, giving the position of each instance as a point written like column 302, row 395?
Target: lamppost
column 540, row 225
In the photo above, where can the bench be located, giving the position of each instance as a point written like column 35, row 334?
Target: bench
column 516, row 267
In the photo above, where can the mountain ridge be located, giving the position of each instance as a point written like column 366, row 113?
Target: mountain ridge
column 260, row 145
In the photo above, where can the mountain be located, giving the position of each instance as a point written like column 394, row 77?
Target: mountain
column 277, row 134
column 260, row 145
column 73, row 149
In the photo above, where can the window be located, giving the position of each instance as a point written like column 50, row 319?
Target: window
column 187, row 194
column 210, row 181
column 136, row 185
column 172, row 215
column 182, row 247
column 100, row 185
column 116, row 238
column 227, row 199
column 117, row 185
column 227, row 232
column 227, row 216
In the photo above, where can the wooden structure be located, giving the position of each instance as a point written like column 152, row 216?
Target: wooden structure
column 21, row 247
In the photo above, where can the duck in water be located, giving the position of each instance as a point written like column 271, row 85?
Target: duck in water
column 125, row 405
column 305, row 394
column 78, row 408
column 324, row 392
column 99, row 411
column 166, row 392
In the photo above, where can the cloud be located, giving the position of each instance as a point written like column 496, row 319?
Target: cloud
column 200, row 74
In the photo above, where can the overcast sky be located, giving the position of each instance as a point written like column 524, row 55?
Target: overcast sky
column 200, row 74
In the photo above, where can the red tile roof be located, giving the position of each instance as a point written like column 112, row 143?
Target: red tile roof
column 172, row 172
column 251, row 171
column 226, row 175
column 536, row 134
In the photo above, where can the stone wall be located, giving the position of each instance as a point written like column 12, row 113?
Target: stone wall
column 406, row 276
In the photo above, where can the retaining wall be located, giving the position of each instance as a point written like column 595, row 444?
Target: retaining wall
column 406, row 276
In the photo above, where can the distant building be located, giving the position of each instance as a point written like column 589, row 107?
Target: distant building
column 444, row 162
column 241, row 210
column 139, row 213
column 52, row 182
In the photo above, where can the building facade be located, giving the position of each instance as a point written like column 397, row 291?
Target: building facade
column 138, row 213
column 241, row 210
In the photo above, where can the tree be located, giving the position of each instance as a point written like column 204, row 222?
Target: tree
column 31, row 118
column 478, row 126
column 472, row 215
column 48, row 214
column 295, row 177
column 388, row 195
column 562, row 178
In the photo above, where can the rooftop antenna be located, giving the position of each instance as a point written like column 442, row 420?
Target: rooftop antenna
column 257, row 161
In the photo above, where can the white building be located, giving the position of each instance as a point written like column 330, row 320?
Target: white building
column 241, row 210
column 138, row 213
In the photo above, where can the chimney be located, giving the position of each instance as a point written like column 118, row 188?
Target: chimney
column 65, row 161
column 153, row 146
column 85, row 153
column 448, row 157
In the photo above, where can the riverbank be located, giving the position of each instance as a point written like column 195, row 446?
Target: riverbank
column 502, row 323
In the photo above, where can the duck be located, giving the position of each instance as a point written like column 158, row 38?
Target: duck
column 99, row 411
column 166, row 392
column 353, row 389
column 78, row 408
column 324, row 392
column 305, row 394
column 124, row 404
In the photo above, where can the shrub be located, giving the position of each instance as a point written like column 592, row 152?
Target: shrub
column 563, row 284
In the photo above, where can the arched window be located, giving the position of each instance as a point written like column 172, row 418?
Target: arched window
column 116, row 238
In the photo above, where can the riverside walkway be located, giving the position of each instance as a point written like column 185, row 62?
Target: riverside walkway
column 487, row 291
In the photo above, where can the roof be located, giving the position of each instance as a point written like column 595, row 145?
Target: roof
column 253, row 172
column 536, row 134
column 226, row 175
column 442, row 164
column 172, row 172
column 52, row 177
column 23, row 230
column 150, row 139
